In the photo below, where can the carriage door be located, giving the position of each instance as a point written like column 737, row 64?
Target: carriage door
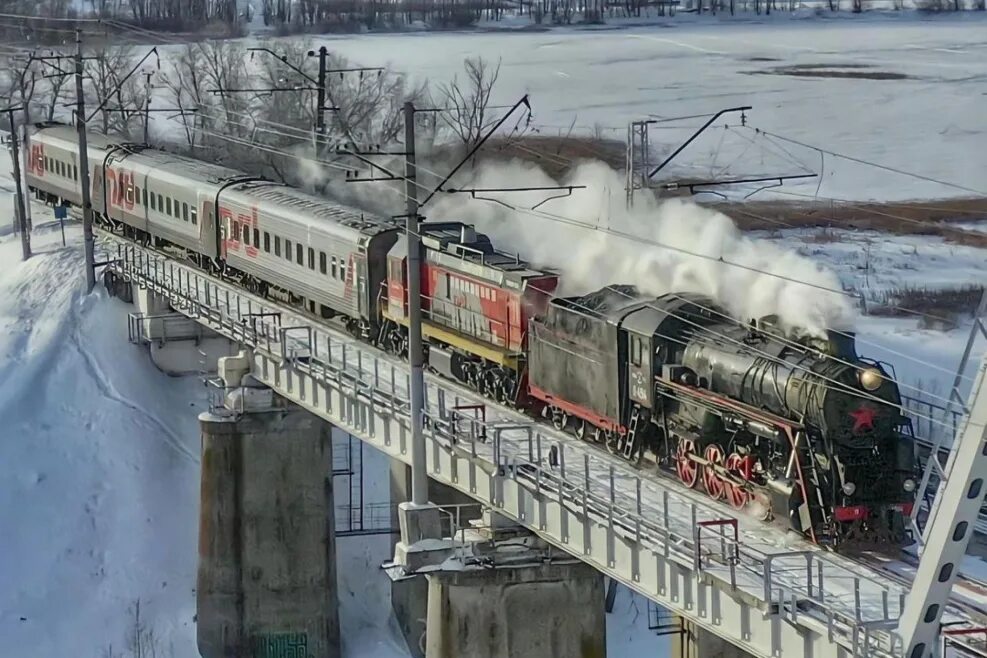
column 360, row 275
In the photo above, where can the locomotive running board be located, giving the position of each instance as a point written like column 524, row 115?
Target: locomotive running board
column 726, row 404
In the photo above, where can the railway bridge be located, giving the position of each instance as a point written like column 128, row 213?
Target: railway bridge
column 730, row 576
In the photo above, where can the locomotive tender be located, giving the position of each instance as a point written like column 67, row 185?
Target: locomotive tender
column 806, row 432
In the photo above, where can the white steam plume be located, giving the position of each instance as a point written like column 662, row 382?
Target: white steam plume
column 770, row 280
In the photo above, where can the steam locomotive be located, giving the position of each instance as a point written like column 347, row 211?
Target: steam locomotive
column 803, row 431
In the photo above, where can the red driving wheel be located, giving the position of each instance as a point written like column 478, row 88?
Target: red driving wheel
column 711, row 481
column 736, row 495
column 687, row 469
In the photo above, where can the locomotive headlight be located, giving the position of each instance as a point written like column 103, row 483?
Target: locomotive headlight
column 849, row 488
column 870, row 378
column 908, row 485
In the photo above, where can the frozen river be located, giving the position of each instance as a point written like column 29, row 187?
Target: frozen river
column 918, row 108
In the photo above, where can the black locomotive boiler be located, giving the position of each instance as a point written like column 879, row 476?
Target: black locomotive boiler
column 801, row 430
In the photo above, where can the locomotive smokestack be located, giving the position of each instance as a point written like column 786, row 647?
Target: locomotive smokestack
column 841, row 343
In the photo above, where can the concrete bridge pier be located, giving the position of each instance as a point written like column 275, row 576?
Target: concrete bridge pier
column 267, row 575
column 696, row 642
column 530, row 610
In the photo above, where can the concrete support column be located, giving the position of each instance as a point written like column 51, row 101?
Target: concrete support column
column 535, row 611
column 267, row 578
column 438, row 493
column 696, row 642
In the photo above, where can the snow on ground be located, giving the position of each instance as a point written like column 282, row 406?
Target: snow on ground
column 925, row 122
column 99, row 453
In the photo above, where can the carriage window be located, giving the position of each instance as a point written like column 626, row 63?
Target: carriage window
column 287, row 249
column 160, row 203
column 299, row 253
column 277, row 246
column 236, row 231
column 334, row 267
column 267, row 242
column 185, row 211
column 246, row 235
column 154, row 205
column 137, row 195
column 342, row 270
column 75, row 172
column 322, row 262
column 130, row 194
column 47, row 168
column 195, row 219
column 168, row 205
column 256, row 237
column 311, row 258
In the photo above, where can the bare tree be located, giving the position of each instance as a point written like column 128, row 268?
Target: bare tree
column 120, row 99
column 224, row 70
column 467, row 103
column 185, row 85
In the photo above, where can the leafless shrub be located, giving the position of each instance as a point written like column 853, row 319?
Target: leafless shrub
column 938, row 308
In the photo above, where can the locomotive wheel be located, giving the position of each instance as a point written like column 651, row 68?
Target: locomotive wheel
column 559, row 419
column 712, row 482
column 489, row 384
column 597, row 435
column 580, row 430
column 687, row 469
column 737, row 496
column 612, row 440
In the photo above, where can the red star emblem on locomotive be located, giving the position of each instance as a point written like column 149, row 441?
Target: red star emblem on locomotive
column 863, row 419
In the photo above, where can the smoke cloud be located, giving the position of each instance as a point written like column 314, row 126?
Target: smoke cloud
column 674, row 245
